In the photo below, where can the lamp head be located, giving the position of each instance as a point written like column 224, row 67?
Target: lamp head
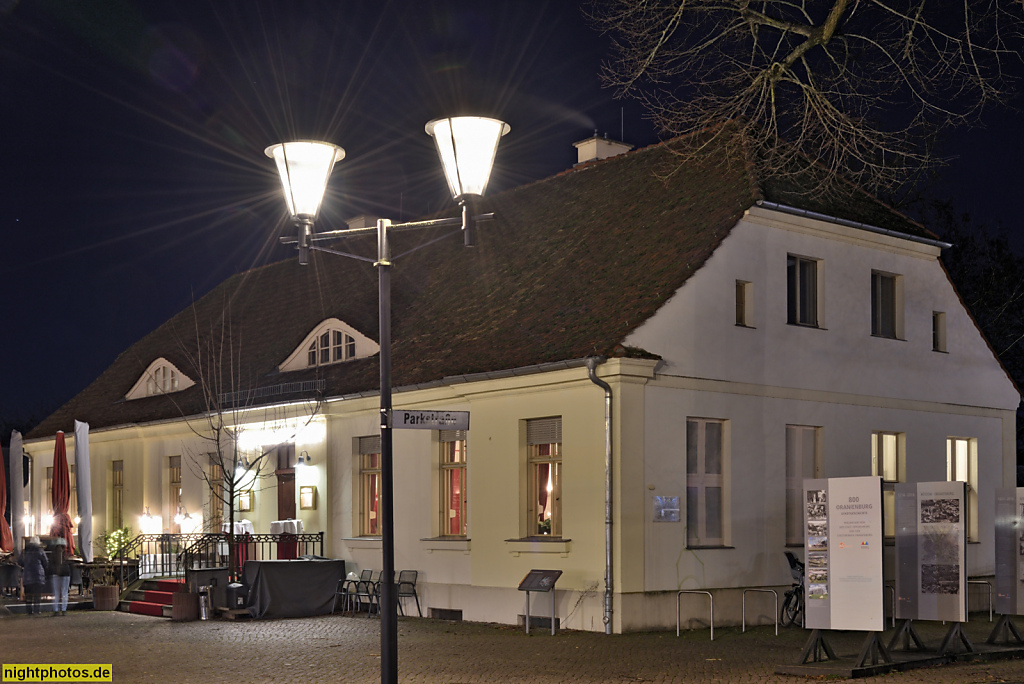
column 305, row 166
column 466, row 145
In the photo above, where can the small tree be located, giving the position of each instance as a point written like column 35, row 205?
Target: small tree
column 229, row 401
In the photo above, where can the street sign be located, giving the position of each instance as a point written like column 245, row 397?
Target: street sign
column 430, row 420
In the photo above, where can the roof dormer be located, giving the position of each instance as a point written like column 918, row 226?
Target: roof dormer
column 162, row 377
column 333, row 341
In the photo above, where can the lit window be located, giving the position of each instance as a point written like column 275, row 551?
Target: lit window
column 705, row 482
column 453, row 483
column 889, row 460
column 886, row 305
column 117, row 483
column 216, row 481
column 370, row 486
column 962, row 466
column 803, row 460
column 174, row 491
column 544, row 463
column 938, row 331
column 802, row 291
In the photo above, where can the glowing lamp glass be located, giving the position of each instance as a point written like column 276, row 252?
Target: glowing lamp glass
column 466, row 145
column 305, row 166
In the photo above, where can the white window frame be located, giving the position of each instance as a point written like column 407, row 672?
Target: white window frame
column 886, row 317
column 117, row 493
column 889, row 460
column 453, row 465
column 800, row 465
column 807, row 314
column 544, row 473
column 369, row 495
column 939, row 331
column 962, row 466
column 744, row 304
column 702, row 480
column 173, row 492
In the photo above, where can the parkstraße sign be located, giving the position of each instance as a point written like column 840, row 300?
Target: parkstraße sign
column 430, row 420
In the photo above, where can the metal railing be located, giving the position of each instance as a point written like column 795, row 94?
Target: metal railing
column 213, row 550
column 169, row 555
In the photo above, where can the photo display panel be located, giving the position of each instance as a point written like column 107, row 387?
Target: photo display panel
column 931, row 553
column 1010, row 551
column 843, row 553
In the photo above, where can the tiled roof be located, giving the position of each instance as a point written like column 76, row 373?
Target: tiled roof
column 569, row 267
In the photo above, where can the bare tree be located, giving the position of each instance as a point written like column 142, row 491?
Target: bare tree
column 229, row 402
column 859, row 88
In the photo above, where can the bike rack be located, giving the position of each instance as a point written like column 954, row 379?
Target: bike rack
column 989, row 585
column 710, row 598
column 744, row 607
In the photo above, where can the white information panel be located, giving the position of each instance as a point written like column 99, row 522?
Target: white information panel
column 1010, row 551
column 843, row 553
column 931, row 554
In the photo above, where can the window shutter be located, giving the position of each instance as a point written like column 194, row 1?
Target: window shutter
column 544, row 431
column 369, row 445
column 453, row 435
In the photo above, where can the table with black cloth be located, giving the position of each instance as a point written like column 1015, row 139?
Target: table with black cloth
column 292, row 588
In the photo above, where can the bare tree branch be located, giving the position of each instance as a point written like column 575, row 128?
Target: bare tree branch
column 858, row 88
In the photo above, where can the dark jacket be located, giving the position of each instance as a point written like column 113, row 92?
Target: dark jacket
column 34, row 562
column 61, row 565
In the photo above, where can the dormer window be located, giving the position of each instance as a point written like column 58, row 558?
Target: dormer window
column 162, row 377
column 330, row 347
column 333, row 341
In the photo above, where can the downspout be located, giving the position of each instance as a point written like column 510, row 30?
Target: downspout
column 608, row 584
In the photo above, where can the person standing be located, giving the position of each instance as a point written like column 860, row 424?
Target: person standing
column 35, row 566
column 61, row 577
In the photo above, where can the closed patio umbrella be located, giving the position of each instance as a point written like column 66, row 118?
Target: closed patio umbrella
column 61, row 526
column 6, row 540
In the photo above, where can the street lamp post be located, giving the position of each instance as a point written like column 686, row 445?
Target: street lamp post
column 466, row 146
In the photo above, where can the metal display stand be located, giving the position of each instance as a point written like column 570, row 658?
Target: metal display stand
column 872, row 651
column 956, row 633
column 908, row 634
column 817, row 649
column 543, row 581
column 1003, row 631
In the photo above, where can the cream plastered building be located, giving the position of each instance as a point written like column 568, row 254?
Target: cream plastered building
column 748, row 338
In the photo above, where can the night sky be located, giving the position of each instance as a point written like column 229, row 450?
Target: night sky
column 133, row 173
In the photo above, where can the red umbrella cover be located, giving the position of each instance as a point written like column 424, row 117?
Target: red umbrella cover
column 61, row 526
column 6, row 539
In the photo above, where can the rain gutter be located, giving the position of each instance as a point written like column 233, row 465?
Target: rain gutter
column 852, row 224
column 608, row 585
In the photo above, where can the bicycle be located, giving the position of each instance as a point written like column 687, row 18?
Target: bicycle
column 793, row 603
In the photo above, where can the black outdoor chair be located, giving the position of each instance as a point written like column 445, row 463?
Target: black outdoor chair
column 407, row 589
column 368, row 590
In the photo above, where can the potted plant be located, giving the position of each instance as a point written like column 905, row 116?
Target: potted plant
column 105, row 592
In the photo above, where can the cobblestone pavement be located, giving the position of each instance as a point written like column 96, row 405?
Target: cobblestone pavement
column 346, row 649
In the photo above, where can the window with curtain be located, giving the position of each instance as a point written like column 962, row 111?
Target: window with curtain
column 888, row 460
column 370, row 486
column 117, row 498
column 544, row 467
column 803, row 461
column 802, row 291
column 705, row 482
column 454, row 493
column 174, row 491
column 962, row 466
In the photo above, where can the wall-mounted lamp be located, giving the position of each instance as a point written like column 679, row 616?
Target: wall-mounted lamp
column 304, row 459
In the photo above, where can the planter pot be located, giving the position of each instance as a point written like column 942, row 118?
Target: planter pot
column 105, row 597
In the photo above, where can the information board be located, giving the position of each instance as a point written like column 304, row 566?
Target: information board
column 931, row 554
column 1010, row 550
column 843, row 553
column 540, row 580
